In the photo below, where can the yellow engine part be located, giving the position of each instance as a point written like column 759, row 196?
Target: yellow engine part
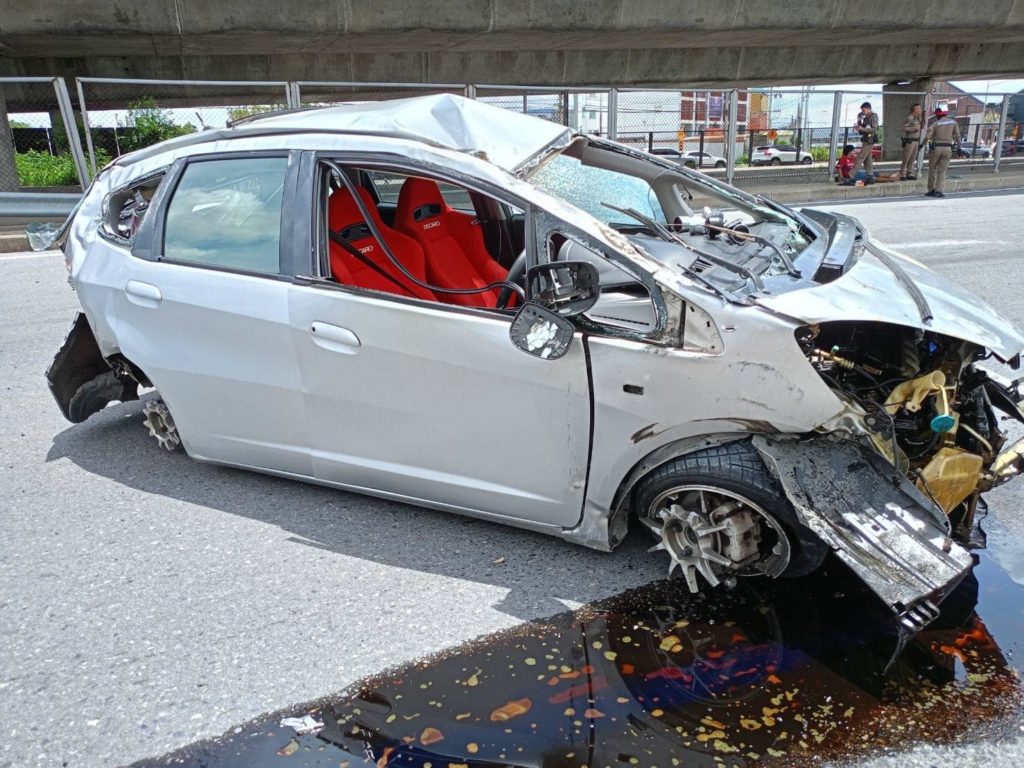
column 950, row 477
column 911, row 394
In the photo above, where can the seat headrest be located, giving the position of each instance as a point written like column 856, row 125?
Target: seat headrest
column 343, row 213
column 418, row 200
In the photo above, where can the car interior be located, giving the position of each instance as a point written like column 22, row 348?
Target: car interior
column 455, row 245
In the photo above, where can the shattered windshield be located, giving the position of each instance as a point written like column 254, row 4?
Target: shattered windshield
column 593, row 189
column 724, row 239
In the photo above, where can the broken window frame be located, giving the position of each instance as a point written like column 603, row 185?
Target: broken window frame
column 120, row 196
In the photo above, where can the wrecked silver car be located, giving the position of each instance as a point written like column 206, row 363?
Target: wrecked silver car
column 439, row 302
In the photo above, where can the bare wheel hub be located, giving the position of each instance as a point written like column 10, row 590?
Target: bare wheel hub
column 717, row 534
column 157, row 417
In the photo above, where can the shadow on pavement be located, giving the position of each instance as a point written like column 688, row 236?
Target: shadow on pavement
column 115, row 445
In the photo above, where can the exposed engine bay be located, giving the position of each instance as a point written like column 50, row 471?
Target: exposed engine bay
column 920, row 400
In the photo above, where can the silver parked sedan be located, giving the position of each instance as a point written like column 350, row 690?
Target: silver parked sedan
column 440, row 302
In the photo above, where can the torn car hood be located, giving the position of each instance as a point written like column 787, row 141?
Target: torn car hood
column 870, row 291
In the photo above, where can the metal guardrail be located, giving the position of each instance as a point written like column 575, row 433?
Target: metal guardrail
column 37, row 205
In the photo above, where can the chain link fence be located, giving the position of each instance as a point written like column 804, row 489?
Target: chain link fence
column 790, row 134
column 39, row 146
column 120, row 116
column 547, row 104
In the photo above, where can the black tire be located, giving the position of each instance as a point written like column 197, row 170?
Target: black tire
column 690, row 164
column 720, row 164
column 739, row 468
column 775, row 161
column 96, row 394
column 807, row 161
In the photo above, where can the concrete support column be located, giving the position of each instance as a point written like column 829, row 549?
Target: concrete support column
column 896, row 103
column 8, row 169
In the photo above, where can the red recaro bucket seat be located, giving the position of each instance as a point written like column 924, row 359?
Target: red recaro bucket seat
column 346, row 222
column 453, row 242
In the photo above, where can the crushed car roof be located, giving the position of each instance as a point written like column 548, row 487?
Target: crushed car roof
column 509, row 140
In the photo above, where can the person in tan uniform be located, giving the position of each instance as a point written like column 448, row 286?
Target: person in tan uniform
column 867, row 127
column 943, row 134
column 911, row 140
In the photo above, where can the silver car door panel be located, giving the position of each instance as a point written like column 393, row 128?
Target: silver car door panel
column 218, row 348
column 438, row 404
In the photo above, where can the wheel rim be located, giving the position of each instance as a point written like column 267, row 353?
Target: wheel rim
column 157, row 418
column 716, row 533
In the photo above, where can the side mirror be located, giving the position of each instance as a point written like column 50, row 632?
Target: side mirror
column 566, row 288
column 540, row 332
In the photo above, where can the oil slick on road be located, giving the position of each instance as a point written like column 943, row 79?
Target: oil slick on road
column 770, row 673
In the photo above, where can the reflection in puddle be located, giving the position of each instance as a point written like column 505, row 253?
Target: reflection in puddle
column 771, row 673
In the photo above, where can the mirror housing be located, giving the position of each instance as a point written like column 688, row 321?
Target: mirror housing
column 566, row 288
column 540, row 332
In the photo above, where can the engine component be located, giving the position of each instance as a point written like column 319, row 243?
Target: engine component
column 950, row 477
column 157, row 418
column 715, row 533
column 911, row 394
column 1007, row 465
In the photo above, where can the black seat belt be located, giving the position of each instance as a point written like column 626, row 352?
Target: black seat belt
column 353, row 251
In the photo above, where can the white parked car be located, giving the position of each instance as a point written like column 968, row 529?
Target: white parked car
column 580, row 350
column 691, row 159
column 777, row 154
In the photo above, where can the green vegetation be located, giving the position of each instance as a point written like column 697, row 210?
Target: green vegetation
column 147, row 124
column 41, row 169
column 820, row 154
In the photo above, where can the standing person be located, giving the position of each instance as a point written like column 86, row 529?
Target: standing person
column 911, row 140
column 943, row 133
column 867, row 127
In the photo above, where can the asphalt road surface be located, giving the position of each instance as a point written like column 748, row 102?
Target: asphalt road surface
column 147, row 600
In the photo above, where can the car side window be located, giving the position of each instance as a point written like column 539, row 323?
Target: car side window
column 227, row 213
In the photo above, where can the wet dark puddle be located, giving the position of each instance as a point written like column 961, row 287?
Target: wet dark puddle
column 771, row 673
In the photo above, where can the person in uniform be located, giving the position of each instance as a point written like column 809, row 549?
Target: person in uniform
column 867, row 127
column 943, row 134
column 911, row 140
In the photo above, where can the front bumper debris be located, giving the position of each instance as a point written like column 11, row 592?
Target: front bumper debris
column 876, row 520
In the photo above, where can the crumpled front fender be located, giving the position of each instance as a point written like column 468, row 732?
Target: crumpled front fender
column 877, row 522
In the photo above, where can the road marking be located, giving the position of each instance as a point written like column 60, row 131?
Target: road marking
column 944, row 243
column 40, row 255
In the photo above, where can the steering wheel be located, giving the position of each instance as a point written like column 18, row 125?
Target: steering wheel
column 516, row 274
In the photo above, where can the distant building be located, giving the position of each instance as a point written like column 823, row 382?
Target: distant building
column 978, row 121
column 708, row 109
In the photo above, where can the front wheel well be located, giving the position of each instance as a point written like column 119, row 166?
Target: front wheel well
column 736, row 464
